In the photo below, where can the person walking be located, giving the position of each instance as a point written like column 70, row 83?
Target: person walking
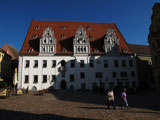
column 110, row 98
column 124, row 99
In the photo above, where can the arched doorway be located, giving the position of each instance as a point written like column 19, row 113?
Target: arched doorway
column 63, row 84
column 34, row 88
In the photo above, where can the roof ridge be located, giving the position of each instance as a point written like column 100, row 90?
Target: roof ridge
column 71, row 21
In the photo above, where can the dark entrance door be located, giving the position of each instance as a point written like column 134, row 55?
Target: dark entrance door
column 63, row 84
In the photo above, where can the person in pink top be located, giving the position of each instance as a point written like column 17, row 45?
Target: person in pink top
column 124, row 99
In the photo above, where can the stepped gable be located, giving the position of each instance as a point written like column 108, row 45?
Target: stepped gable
column 95, row 32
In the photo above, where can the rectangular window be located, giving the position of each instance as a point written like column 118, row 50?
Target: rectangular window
column 132, row 73
column 27, row 64
column 78, row 49
column 114, row 75
column 91, row 64
column 43, row 49
column 83, row 86
column 72, row 63
column 44, row 63
column 26, row 80
column 82, row 75
column 131, row 63
column 123, row 74
column 35, row 79
column 72, row 78
column 81, row 49
column 115, row 63
column 82, row 63
column 123, row 63
column 44, row 79
column 99, row 75
column 53, row 78
column 53, row 63
column 35, row 64
column 105, row 63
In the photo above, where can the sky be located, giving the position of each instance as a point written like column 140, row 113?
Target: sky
column 132, row 17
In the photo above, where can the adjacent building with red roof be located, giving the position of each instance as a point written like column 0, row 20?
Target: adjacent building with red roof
column 144, row 65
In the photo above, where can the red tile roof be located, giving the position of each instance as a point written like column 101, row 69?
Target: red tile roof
column 140, row 49
column 11, row 51
column 97, row 30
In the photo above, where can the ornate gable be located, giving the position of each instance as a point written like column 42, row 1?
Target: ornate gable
column 48, row 42
column 81, row 43
column 111, row 42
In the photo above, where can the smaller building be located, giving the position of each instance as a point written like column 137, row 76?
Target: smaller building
column 144, row 65
column 14, row 61
column 5, row 67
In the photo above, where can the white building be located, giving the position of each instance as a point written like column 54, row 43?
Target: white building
column 75, row 55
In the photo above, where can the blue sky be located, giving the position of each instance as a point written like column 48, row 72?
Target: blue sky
column 131, row 16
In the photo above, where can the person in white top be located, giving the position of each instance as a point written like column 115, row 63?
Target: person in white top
column 110, row 98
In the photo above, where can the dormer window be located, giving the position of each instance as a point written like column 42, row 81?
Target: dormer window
column 63, row 50
column 34, row 36
column 62, row 36
column 91, row 37
column 37, row 27
column 30, row 50
column 124, row 50
column 88, row 28
column 63, row 27
column 95, row 50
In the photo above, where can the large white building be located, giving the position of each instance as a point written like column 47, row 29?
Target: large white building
column 75, row 55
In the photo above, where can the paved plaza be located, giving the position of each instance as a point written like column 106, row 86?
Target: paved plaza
column 64, row 105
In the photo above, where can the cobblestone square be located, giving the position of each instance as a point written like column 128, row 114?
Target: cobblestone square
column 78, row 106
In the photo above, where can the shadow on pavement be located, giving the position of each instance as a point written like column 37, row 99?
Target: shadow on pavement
column 17, row 115
column 147, row 101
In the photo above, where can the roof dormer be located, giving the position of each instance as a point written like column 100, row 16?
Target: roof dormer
column 47, row 42
column 111, row 42
column 81, row 42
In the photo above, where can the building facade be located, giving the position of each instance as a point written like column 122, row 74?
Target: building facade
column 14, row 61
column 143, row 65
column 154, row 43
column 5, row 66
column 75, row 55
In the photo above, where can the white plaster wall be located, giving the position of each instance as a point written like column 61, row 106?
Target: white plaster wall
column 89, row 72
